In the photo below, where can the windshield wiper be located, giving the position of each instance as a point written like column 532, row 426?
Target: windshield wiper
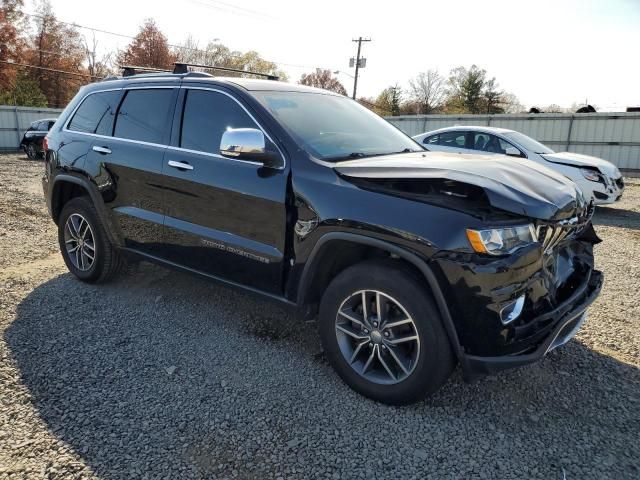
column 363, row 154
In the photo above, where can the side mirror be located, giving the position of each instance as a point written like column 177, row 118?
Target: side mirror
column 248, row 144
column 513, row 152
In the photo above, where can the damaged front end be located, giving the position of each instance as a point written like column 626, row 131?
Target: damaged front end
column 512, row 310
column 510, row 306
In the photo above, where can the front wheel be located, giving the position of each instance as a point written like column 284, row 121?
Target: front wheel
column 383, row 334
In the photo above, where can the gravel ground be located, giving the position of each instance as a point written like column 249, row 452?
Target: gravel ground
column 162, row 375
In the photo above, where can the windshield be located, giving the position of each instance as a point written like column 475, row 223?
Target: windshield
column 528, row 143
column 334, row 128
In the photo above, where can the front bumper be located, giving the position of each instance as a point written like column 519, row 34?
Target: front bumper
column 571, row 315
column 609, row 193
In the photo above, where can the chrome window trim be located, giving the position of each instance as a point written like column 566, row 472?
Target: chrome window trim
column 208, row 154
column 172, row 147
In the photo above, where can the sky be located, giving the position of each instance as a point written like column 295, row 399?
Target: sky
column 544, row 51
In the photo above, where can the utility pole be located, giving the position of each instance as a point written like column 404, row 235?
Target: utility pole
column 358, row 63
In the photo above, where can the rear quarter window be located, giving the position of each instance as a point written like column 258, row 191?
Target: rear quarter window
column 95, row 113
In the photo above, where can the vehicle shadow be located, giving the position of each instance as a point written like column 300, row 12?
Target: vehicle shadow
column 617, row 217
column 160, row 372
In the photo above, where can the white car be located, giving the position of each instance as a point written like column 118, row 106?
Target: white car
column 597, row 178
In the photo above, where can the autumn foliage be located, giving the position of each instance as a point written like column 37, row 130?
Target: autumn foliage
column 60, row 59
column 149, row 48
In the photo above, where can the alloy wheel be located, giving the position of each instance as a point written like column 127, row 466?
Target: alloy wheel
column 377, row 337
column 79, row 242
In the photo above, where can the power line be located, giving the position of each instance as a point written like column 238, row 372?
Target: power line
column 226, row 7
column 55, row 70
column 178, row 47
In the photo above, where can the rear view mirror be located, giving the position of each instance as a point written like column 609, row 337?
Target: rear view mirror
column 513, row 152
column 248, row 144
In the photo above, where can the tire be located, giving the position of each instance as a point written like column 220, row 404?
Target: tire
column 425, row 363
column 78, row 218
column 32, row 152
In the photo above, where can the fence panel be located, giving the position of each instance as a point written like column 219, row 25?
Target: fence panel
column 612, row 136
column 15, row 120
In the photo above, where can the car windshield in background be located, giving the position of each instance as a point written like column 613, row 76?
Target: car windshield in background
column 528, row 143
column 335, row 128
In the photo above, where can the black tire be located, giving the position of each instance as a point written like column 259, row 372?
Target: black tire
column 434, row 360
column 107, row 260
column 31, row 151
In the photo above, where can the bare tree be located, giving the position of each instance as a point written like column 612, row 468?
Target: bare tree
column 428, row 90
column 511, row 104
column 215, row 53
column 97, row 67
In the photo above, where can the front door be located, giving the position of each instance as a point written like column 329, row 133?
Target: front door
column 224, row 217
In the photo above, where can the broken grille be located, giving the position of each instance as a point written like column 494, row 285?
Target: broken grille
column 550, row 235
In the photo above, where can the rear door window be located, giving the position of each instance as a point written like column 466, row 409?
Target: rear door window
column 455, row 139
column 145, row 115
column 95, row 114
column 205, row 118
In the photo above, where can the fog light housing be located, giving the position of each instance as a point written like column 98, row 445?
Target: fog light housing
column 512, row 311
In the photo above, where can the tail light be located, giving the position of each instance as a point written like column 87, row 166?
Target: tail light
column 45, row 146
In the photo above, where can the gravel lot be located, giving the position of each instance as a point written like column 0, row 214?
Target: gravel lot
column 162, row 375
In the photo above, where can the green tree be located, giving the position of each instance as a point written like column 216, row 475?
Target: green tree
column 24, row 92
column 466, row 88
column 389, row 100
column 492, row 97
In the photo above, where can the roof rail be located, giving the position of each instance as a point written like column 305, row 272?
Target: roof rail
column 181, row 67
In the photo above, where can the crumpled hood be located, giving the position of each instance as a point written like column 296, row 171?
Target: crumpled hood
column 580, row 160
column 517, row 186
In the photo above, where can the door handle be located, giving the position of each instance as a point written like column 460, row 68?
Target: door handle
column 103, row 150
column 180, row 165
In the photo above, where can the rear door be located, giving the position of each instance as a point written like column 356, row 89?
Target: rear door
column 127, row 164
column 224, row 217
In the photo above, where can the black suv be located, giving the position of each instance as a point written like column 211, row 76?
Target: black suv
column 413, row 261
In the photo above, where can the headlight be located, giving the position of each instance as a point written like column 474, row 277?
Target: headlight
column 590, row 175
column 500, row 241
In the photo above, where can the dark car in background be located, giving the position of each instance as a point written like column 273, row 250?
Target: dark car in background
column 32, row 139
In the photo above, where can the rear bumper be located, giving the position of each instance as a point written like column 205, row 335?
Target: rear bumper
column 567, row 326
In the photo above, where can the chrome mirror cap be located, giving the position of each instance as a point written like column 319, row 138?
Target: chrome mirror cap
column 242, row 143
column 249, row 144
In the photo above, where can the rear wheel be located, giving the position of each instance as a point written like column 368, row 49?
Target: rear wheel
column 84, row 245
column 32, row 152
column 383, row 335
